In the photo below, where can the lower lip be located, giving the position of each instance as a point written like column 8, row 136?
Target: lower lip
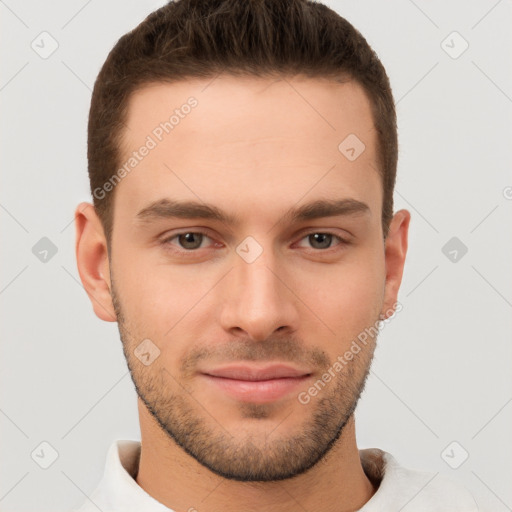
column 261, row 391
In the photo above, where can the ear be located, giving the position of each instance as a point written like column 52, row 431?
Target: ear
column 395, row 251
column 92, row 261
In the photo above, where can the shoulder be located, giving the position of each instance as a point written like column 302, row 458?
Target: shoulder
column 413, row 490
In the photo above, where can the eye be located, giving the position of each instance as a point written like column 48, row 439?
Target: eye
column 189, row 240
column 320, row 240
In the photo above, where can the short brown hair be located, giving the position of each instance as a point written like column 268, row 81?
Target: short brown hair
column 202, row 38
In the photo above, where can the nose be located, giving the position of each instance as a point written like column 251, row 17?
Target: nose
column 258, row 299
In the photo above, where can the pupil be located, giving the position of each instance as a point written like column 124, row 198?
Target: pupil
column 189, row 240
column 323, row 238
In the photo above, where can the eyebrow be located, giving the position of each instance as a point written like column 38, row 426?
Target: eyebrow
column 169, row 209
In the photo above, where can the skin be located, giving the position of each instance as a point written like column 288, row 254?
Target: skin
column 255, row 148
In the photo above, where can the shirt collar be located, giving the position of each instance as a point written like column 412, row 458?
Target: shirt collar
column 118, row 489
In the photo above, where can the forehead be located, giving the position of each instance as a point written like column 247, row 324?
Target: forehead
column 246, row 109
column 238, row 140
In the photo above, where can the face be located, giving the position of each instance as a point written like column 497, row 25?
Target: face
column 233, row 310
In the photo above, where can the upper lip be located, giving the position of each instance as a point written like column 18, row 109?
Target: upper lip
column 255, row 373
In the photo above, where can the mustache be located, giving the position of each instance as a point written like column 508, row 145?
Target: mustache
column 285, row 349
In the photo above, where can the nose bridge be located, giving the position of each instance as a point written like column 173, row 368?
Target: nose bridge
column 260, row 284
column 257, row 300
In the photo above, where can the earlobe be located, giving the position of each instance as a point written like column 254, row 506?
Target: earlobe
column 395, row 253
column 92, row 261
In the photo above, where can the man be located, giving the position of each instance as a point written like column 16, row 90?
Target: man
column 242, row 159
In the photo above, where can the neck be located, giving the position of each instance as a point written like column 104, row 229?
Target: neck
column 178, row 481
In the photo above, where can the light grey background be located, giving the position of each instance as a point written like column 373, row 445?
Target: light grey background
column 442, row 369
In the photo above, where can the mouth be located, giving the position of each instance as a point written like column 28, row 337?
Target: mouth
column 255, row 384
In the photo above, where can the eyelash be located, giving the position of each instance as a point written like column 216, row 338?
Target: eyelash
column 167, row 241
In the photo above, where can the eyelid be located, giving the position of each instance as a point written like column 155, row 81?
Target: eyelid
column 327, row 231
column 341, row 240
column 204, row 231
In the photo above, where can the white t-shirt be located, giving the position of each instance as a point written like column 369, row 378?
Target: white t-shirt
column 399, row 489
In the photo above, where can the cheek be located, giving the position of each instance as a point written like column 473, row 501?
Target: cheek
column 161, row 301
column 147, row 299
column 347, row 297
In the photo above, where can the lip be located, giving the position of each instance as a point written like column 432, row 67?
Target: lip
column 257, row 384
column 256, row 373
